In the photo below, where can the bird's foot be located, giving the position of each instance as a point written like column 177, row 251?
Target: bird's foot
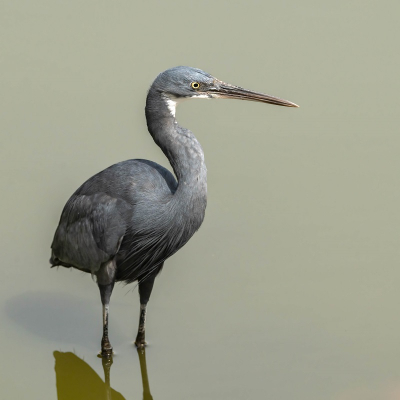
column 106, row 348
column 140, row 343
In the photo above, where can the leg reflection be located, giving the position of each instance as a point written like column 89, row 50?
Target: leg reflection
column 76, row 380
column 143, row 369
column 107, row 362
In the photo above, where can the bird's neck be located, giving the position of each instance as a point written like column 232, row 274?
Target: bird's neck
column 179, row 145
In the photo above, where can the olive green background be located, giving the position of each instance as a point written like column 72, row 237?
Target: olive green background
column 290, row 288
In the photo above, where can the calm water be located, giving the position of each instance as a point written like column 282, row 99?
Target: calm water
column 290, row 288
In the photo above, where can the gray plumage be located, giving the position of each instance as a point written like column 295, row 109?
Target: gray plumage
column 125, row 221
column 134, row 210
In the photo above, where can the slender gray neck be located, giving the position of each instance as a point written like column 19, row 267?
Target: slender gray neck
column 179, row 145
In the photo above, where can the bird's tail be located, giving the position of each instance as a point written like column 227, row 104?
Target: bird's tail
column 55, row 262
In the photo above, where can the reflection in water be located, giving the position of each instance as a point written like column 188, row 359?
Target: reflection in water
column 145, row 379
column 76, row 380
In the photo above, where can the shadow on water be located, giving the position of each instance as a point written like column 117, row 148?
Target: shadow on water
column 59, row 317
column 76, row 380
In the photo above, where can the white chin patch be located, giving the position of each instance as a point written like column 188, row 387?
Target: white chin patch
column 171, row 104
column 201, row 96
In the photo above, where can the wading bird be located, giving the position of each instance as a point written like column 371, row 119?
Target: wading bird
column 125, row 221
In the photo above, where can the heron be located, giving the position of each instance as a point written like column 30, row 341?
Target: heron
column 123, row 223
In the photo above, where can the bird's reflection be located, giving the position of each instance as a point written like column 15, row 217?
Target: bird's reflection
column 76, row 380
column 143, row 370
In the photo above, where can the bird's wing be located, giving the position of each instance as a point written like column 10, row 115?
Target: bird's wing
column 90, row 231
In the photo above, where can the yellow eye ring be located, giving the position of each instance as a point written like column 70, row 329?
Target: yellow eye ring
column 195, row 85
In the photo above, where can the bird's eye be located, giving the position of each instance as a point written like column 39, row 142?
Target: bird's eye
column 195, row 85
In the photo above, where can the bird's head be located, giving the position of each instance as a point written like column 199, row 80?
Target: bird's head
column 181, row 83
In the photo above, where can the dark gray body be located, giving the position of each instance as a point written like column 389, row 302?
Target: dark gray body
column 129, row 212
column 135, row 213
column 124, row 222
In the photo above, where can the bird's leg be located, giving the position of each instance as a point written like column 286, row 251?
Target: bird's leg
column 145, row 288
column 105, row 281
column 106, row 348
column 145, row 291
column 140, row 337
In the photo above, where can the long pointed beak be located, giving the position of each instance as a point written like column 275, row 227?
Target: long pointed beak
column 227, row 91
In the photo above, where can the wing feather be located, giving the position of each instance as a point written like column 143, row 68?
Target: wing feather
column 90, row 231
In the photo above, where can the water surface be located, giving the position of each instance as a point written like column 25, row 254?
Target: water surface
column 290, row 288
